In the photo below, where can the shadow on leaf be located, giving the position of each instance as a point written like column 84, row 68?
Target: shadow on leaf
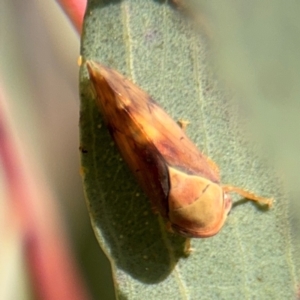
column 120, row 212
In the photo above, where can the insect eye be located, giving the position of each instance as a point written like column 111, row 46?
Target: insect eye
column 227, row 202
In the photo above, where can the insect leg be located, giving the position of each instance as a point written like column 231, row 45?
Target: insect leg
column 249, row 195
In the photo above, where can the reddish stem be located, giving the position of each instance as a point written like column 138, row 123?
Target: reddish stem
column 74, row 9
column 50, row 261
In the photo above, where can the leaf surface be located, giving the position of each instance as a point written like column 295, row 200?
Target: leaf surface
column 251, row 258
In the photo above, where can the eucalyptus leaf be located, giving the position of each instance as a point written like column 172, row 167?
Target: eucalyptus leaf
column 157, row 46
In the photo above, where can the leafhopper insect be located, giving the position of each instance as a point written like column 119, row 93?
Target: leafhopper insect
column 181, row 182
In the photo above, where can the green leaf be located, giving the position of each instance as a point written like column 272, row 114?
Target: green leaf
column 252, row 257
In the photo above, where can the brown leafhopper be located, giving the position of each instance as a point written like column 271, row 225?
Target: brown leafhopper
column 181, row 182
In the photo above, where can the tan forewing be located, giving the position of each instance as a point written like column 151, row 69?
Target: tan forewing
column 156, row 126
column 147, row 164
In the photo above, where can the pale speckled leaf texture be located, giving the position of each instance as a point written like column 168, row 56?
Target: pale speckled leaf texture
column 155, row 45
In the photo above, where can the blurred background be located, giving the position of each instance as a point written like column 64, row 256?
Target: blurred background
column 255, row 50
column 39, row 75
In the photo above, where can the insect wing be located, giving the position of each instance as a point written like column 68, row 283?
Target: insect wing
column 157, row 126
column 144, row 160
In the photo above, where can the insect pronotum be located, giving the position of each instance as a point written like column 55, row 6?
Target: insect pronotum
column 181, row 182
